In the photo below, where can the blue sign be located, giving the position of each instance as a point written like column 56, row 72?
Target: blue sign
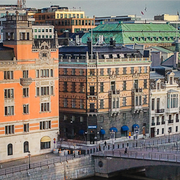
column 92, row 127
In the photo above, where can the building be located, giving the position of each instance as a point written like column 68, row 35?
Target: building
column 165, row 94
column 43, row 31
column 65, row 19
column 147, row 34
column 166, row 17
column 29, row 91
column 104, row 90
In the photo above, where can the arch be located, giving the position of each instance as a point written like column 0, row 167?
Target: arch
column 26, row 146
column 10, row 149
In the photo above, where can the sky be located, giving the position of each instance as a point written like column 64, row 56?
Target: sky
column 111, row 7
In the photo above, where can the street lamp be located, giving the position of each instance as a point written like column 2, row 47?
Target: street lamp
column 169, row 136
column 29, row 159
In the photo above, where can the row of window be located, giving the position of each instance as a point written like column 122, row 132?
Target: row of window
column 109, row 71
column 169, row 130
column 73, row 87
column 44, row 145
column 42, row 30
column 9, row 93
column 39, row 73
column 42, row 126
column 73, row 118
column 73, row 103
column 70, row 15
column 43, row 36
column 152, row 38
column 9, row 110
column 170, row 120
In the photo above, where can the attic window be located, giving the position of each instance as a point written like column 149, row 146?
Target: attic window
column 145, row 39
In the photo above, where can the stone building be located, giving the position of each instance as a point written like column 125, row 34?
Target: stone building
column 29, row 91
column 104, row 91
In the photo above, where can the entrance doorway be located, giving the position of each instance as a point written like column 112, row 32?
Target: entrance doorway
column 152, row 132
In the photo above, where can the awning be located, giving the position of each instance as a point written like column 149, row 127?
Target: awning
column 46, row 139
column 124, row 128
column 102, row 131
column 114, row 129
column 135, row 126
column 81, row 132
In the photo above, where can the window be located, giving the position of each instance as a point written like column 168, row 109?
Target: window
column 37, row 91
column 65, row 71
column 45, row 145
column 73, row 103
column 145, row 69
column 65, row 86
column 176, row 128
column 44, row 107
column 46, row 30
column 109, row 71
column 114, row 105
column 81, row 119
column 124, row 85
column 8, row 74
column 124, row 101
column 26, row 127
column 81, row 87
column 73, row 71
column 136, row 84
column 37, row 73
column 65, row 102
column 124, row 116
column 152, row 104
column 117, row 71
column 25, row 92
column 124, row 70
column 25, row 74
column 132, row 70
column 117, row 103
column 101, row 72
column 102, row 104
column 10, row 149
column 52, row 90
column 50, row 30
column 172, row 101
column 44, row 72
column 163, row 122
column 81, row 72
column 45, row 125
column 44, row 91
column 92, row 72
column 145, row 83
column 157, row 131
column 9, row 110
column 139, row 69
column 101, row 87
column 25, row 108
column 27, row 36
column 65, row 118
column 8, row 93
column 9, row 129
column 162, row 130
column 73, row 86
column 81, row 104
column 153, row 121
column 51, row 72
column 145, row 99
column 26, row 146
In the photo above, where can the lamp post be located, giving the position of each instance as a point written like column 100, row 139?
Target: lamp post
column 29, row 159
column 169, row 136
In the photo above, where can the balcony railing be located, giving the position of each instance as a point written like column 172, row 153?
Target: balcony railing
column 158, row 123
column 159, row 110
column 170, row 121
column 25, row 81
column 92, row 110
column 138, row 90
column 163, row 122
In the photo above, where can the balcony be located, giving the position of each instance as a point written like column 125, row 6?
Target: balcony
column 170, row 121
column 92, row 95
column 92, row 110
column 25, row 81
column 138, row 90
column 159, row 111
column 172, row 110
column 163, row 122
column 177, row 120
column 153, row 124
column 158, row 123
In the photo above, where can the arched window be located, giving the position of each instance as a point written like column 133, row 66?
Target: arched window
column 10, row 149
column 26, row 146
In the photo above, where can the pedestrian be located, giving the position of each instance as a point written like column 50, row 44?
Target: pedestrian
column 125, row 151
column 105, row 143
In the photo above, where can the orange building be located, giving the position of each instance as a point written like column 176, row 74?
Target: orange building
column 104, row 91
column 29, row 91
column 65, row 19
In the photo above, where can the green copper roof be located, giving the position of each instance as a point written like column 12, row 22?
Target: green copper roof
column 162, row 49
column 133, row 33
